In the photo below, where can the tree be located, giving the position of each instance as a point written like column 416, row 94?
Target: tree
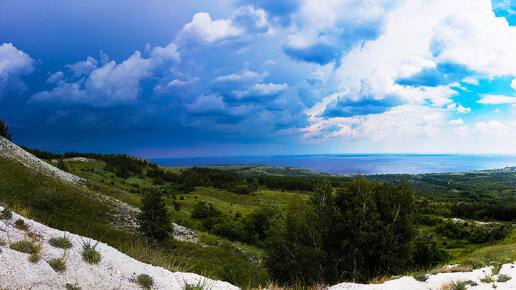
column 4, row 131
column 300, row 245
column 154, row 219
column 62, row 165
column 363, row 230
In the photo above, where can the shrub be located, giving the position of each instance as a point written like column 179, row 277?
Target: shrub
column 89, row 254
column 202, row 211
column 61, row 242
column 6, row 214
column 487, row 279
column 455, row 285
column 503, row 278
column 421, row 277
column 58, row 265
column 69, row 286
column 28, row 247
column 426, row 250
column 198, row 286
column 2, row 243
column 34, row 257
column 20, row 224
column 25, row 247
column 145, row 281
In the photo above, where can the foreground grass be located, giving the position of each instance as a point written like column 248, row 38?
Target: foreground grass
column 500, row 252
column 75, row 209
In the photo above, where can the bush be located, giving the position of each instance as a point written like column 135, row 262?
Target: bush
column 34, row 258
column 426, row 251
column 177, row 206
column 487, row 279
column 198, row 286
column 25, row 247
column 20, row 224
column 58, row 265
column 6, row 214
column 89, row 254
column 145, row 281
column 455, row 286
column 421, row 277
column 503, row 278
column 70, row 286
column 203, row 211
column 61, row 242
column 28, row 248
column 2, row 243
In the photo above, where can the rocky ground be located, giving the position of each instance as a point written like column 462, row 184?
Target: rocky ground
column 114, row 271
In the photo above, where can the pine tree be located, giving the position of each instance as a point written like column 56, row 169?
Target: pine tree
column 154, row 220
column 4, row 131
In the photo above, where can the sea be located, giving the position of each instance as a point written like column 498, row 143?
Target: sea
column 365, row 164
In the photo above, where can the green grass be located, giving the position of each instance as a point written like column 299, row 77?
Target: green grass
column 27, row 247
column 482, row 255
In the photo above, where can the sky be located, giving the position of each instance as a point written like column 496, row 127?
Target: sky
column 162, row 78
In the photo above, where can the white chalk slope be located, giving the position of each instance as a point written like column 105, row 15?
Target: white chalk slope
column 439, row 280
column 115, row 270
column 14, row 152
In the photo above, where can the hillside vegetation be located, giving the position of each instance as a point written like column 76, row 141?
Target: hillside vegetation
column 251, row 219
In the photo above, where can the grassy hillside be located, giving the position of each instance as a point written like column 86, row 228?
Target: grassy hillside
column 76, row 209
column 221, row 256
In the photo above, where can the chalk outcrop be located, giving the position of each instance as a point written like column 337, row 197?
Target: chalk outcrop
column 115, row 270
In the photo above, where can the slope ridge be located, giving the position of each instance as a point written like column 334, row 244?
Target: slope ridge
column 14, row 152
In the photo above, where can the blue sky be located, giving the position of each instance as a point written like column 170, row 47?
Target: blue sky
column 238, row 77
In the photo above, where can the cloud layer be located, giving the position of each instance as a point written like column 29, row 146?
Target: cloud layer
column 330, row 74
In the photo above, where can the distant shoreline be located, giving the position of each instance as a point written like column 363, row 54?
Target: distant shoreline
column 365, row 164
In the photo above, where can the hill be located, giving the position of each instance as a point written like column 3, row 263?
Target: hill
column 90, row 209
column 222, row 214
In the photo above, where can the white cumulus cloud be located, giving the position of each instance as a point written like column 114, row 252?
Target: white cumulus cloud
column 496, row 99
column 14, row 63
